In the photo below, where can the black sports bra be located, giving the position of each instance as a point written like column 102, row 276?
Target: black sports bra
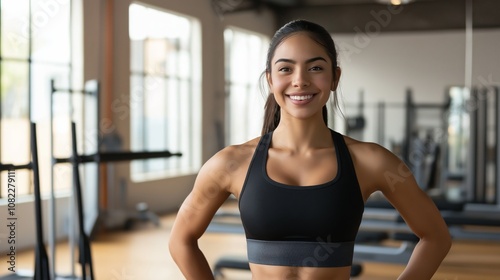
column 312, row 226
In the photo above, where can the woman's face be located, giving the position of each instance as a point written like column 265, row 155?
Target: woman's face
column 301, row 77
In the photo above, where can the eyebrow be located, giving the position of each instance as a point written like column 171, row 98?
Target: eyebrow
column 293, row 61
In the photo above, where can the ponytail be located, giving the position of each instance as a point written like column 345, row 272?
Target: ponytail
column 272, row 114
column 325, row 115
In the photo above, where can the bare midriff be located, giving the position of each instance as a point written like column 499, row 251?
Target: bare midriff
column 271, row 272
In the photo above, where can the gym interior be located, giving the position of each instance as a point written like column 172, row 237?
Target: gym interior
column 109, row 108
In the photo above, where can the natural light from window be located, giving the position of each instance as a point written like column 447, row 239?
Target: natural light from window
column 165, row 91
column 245, row 62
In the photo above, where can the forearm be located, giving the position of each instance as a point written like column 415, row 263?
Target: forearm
column 425, row 259
column 191, row 261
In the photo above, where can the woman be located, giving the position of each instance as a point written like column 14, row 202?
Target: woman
column 301, row 186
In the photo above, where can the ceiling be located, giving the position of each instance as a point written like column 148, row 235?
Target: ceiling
column 351, row 16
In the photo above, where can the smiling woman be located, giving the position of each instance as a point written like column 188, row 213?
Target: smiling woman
column 328, row 57
column 307, row 79
column 302, row 186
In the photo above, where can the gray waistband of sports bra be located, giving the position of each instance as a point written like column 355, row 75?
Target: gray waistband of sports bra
column 300, row 253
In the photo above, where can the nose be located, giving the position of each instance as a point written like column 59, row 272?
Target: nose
column 300, row 78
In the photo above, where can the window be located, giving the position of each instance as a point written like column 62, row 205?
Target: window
column 165, row 91
column 245, row 62
column 35, row 48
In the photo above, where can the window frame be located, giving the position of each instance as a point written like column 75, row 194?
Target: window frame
column 32, row 62
column 253, row 85
column 140, row 170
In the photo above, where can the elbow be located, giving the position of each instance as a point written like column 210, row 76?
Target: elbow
column 440, row 242
column 172, row 248
column 443, row 247
column 175, row 246
column 178, row 246
column 447, row 243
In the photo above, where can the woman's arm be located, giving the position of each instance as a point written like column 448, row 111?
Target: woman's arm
column 209, row 192
column 399, row 186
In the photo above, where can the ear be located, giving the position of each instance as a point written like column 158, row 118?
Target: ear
column 269, row 80
column 336, row 79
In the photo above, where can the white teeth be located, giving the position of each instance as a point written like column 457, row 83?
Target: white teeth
column 301, row 97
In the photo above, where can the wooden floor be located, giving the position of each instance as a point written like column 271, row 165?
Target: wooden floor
column 142, row 254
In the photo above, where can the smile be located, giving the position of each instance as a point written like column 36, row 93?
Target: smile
column 301, row 97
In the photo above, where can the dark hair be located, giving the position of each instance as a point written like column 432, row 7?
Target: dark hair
column 320, row 36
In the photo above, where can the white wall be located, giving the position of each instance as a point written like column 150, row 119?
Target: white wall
column 25, row 223
column 385, row 65
column 427, row 62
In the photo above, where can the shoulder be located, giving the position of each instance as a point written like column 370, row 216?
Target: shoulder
column 373, row 161
column 235, row 153
column 368, row 153
column 227, row 166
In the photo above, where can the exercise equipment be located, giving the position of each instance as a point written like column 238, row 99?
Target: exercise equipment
column 45, row 267
column 449, row 146
column 356, row 124
column 425, row 137
column 476, row 214
column 367, row 121
column 42, row 269
column 482, row 187
column 91, row 88
column 91, row 98
column 84, row 242
column 380, row 215
column 423, row 126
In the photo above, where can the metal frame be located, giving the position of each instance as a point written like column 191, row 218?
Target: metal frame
column 42, row 269
column 476, row 170
column 496, row 91
column 92, row 88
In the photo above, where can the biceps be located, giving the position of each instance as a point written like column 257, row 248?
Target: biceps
column 417, row 209
column 198, row 210
column 395, row 177
column 399, row 186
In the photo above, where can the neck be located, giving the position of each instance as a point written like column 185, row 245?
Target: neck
column 301, row 135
